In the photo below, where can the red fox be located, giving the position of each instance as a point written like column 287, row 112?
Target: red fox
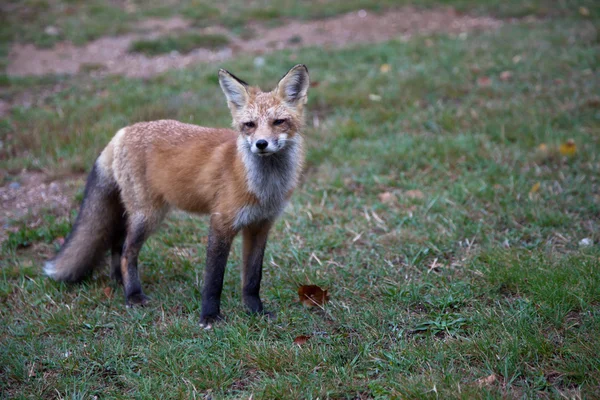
column 242, row 178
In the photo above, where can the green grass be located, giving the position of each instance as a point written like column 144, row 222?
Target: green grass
column 183, row 43
column 469, row 275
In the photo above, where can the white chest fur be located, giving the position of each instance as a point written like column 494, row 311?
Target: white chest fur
column 270, row 179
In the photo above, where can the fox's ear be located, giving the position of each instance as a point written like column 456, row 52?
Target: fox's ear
column 292, row 88
column 234, row 89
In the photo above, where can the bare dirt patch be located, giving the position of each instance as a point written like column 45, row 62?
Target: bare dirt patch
column 34, row 194
column 164, row 25
column 110, row 55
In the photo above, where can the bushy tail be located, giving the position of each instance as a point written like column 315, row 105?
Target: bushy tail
column 100, row 218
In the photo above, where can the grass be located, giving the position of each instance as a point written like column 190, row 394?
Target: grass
column 183, row 43
column 444, row 266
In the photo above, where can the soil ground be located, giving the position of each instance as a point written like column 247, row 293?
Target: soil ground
column 109, row 55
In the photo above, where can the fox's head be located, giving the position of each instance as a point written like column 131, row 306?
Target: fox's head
column 267, row 121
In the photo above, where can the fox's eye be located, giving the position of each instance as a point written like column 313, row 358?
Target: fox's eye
column 249, row 124
column 278, row 121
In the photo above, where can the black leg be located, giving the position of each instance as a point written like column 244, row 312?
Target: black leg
column 219, row 244
column 137, row 233
column 120, row 233
column 255, row 241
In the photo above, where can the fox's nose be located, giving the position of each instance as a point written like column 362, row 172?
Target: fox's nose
column 262, row 144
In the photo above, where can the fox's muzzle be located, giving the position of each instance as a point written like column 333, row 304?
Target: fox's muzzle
column 267, row 146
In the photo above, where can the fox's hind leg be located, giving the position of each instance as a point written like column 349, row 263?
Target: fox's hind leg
column 117, row 249
column 139, row 227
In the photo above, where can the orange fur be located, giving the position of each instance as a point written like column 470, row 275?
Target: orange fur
column 169, row 164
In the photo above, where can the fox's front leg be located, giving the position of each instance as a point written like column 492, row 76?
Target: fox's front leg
column 219, row 244
column 255, row 241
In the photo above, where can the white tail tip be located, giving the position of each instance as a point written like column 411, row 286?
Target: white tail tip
column 50, row 269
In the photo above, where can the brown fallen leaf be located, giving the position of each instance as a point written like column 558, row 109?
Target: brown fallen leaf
column 535, row 188
column 487, row 381
column 593, row 102
column 312, row 295
column 568, row 148
column 108, row 292
column 300, row 340
column 385, row 68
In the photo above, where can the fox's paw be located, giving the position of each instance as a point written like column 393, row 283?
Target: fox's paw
column 206, row 322
column 137, row 300
column 254, row 304
column 116, row 276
